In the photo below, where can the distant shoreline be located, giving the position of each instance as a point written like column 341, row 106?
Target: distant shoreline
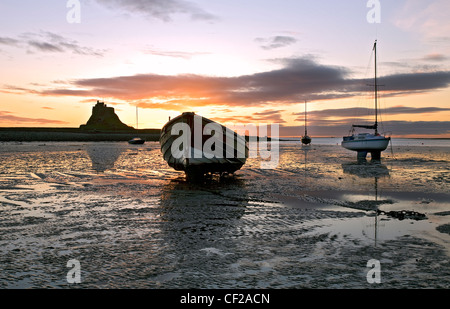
column 73, row 135
column 29, row 134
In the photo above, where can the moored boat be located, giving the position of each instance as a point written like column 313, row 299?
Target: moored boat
column 200, row 146
column 136, row 141
column 367, row 142
column 306, row 140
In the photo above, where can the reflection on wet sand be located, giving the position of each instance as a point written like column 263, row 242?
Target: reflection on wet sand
column 198, row 207
column 375, row 170
column 103, row 157
column 199, row 221
column 366, row 169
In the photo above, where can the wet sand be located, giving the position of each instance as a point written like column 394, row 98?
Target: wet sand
column 132, row 222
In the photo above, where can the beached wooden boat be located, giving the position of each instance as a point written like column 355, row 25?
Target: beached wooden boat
column 200, row 146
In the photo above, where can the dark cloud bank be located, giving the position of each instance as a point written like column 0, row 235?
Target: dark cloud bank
column 298, row 80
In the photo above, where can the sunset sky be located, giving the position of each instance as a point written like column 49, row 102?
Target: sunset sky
column 247, row 61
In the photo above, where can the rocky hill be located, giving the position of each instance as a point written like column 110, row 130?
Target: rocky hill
column 104, row 118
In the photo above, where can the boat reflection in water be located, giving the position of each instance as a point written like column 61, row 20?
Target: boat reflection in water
column 103, row 156
column 201, row 219
column 365, row 169
column 368, row 171
column 385, row 208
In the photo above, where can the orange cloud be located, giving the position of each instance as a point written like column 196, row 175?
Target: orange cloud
column 300, row 78
column 8, row 117
column 264, row 117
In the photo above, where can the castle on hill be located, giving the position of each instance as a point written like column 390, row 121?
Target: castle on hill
column 104, row 118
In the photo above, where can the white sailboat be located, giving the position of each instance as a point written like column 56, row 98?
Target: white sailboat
column 367, row 142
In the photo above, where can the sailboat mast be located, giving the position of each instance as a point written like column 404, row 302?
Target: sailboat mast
column 306, row 124
column 376, row 90
column 137, row 119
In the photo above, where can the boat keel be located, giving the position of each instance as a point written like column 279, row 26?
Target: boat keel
column 375, row 155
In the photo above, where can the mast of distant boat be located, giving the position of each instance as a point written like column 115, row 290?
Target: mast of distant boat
column 306, row 121
column 376, row 90
column 137, row 118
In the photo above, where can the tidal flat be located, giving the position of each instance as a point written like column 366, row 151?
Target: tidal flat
column 313, row 221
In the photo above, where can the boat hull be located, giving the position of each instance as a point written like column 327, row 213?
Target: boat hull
column 136, row 141
column 306, row 140
column 228, row 156
column 369, row 145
